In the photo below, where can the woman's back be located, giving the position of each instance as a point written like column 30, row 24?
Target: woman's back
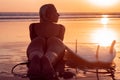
column 47, row 30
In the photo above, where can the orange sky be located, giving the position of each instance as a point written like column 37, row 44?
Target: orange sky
column 62, row 6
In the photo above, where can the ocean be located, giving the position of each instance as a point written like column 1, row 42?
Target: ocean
column 87, row 29
column 84, row 32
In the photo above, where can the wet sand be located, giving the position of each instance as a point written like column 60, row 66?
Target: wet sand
column 9, row 57
column 5, row 73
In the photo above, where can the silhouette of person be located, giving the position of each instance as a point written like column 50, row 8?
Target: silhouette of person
column 46, row 47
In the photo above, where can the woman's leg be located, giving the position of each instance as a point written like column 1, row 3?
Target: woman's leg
column 36, row 47
column 55, row 50
column 48, row 72
column 34, row 53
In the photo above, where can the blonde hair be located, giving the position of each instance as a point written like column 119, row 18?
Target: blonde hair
column 45, row 12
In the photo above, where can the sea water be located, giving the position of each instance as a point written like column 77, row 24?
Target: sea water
column 80, row 30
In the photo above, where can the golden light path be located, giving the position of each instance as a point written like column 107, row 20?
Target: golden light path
column 104, row 36
column 103, row 3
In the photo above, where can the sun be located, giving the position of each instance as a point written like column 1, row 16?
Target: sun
column 103, row 3
column 104, row 20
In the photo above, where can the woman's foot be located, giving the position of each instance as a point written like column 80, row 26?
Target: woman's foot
column 34, row 68
column 48, row 70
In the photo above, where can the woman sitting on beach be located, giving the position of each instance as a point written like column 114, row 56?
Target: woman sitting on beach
column 46, row 47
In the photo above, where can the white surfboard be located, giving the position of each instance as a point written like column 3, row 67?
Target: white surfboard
column 94, row 53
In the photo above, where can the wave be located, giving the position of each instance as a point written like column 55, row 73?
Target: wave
column 35, row 16
column 7, row 16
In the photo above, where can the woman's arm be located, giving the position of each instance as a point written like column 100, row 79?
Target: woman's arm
column 61, row 32
column 32, row 32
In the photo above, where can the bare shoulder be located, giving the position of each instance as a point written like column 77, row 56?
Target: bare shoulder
column 61, row 26
column 33, row 25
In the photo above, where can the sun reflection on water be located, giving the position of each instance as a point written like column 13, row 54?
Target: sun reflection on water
column 104, row 36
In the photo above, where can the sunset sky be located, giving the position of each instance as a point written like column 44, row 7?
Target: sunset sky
column 61, row 5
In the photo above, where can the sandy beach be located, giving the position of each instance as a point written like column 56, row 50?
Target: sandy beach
column 5, row 73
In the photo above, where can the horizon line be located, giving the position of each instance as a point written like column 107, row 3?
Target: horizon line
column 81, row 13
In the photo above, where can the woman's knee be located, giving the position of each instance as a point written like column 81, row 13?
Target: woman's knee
column 55, row 45
column 39, row 40
column 37, row 44
column 54, row 40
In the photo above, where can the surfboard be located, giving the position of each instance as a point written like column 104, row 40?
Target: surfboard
column 94, row 53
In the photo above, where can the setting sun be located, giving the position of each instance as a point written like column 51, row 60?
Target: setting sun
column 104, row 20
column 104, row 2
